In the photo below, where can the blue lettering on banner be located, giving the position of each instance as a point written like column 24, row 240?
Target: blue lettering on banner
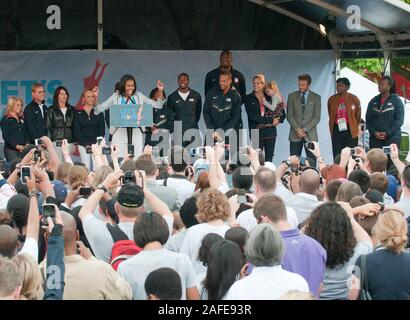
column 22, row 88
column 128, row 114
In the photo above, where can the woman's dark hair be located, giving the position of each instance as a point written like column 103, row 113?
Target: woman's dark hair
column 123, row 81
column 391, row 82
column 18, row 206
column 21, row 188
column 242, row 178
column 150, row 227
column 224, row 265
column 207, row 243
column 330, row 225
column 57, row 92
column 188, row 212
column 374, row 196
column 154, row 91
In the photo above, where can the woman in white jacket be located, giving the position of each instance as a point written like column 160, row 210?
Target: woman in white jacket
column 128, row 95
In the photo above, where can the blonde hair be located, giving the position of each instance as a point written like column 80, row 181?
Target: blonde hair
column 11, row 103
column 259, row 77
column 212, row 205
column 391, row 230
column 77, row 177
column 62, row 172
column 273, row 86
column 100, row 174
column 30, row 272
column 297, row 295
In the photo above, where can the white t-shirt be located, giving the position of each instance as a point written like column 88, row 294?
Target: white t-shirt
column 184, row 96
column 282, row 192
column 193, row 240
column 183, row 187
column 174, row 242
column 248, row 221
column 64, row 111
column 266, row 283
column 100, row 238
column 30, row 247
column 136, row 269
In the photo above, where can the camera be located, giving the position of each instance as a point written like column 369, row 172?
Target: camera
column 310, row 145
column 38, row 142
column 89, row 149
column 85, row 191
column 155, row 152
column 200, row 151
column 49, row 211
column 37, row 155
column 25, row 171
column 128, row 177
column 59, row 143
column 387, row 150
column 106, row 150
column 131, row 150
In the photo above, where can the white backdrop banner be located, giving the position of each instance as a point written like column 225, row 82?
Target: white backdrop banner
column 78, row 69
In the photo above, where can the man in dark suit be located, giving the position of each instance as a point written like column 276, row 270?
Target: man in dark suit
column 35, row 113
column 304, row 109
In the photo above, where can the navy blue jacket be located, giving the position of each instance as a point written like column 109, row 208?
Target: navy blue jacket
column 36, row 125
column 238, row 81
column 222, row 111
column 14, row 132
column 87, row 128
column 388, row 117
column 188, row 111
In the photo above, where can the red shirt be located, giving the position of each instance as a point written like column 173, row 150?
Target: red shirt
column 342, row 111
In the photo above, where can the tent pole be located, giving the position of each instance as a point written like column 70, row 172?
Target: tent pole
column 100, row 25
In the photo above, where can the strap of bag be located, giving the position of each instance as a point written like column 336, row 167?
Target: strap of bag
column 116, row 233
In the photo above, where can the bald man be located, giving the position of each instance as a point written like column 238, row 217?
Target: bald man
column 90, row 279
column 8, row 241
column 305, row 201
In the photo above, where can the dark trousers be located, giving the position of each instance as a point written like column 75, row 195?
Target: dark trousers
column 296, row 150
column 342, row 139
column 11, row 154
column 268, row 147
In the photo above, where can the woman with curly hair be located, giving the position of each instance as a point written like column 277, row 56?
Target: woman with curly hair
column 344, row 240
column 213, row 212
column 386, row 269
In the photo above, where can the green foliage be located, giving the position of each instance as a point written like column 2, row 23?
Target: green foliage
column 364, row 67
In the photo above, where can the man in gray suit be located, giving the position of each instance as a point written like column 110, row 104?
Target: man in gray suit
column 304, row 107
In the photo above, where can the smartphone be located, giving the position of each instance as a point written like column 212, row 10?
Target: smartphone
column 227, row 152
column 59, row 143
column 242, row 199
column 49, row 211
column 88, row 149
column 131, row 150
column 85, row 191
column 200, row 151
column 50, row 175
column 352, row 151
column 243, row 150
column 386, row 150
column 106, row 150
column 310, row 145
column 38, row 142
column 128, row 177
column 25, row 171
column 155, row 152
column 382, row 206
column 37, row 155
column 99, row 139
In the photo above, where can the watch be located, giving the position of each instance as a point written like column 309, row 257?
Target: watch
column 102, row 187
column 34, row 193
column 288, row 162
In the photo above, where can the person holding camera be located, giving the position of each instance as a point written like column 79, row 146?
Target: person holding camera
column 344, row 117
column 304, row 110
column 14, row 131
column 87, row 126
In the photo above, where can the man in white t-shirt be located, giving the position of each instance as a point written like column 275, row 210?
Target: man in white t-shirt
column 128, row 207
column 264, row 182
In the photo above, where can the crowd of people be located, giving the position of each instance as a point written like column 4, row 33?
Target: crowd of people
column 175, row 225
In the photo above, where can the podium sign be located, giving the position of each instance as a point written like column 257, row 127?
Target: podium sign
column 131, row 115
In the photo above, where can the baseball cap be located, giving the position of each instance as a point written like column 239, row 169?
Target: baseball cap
column 131, row 196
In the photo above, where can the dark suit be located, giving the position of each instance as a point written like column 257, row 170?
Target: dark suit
column 36, row 123
column 306, row 119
